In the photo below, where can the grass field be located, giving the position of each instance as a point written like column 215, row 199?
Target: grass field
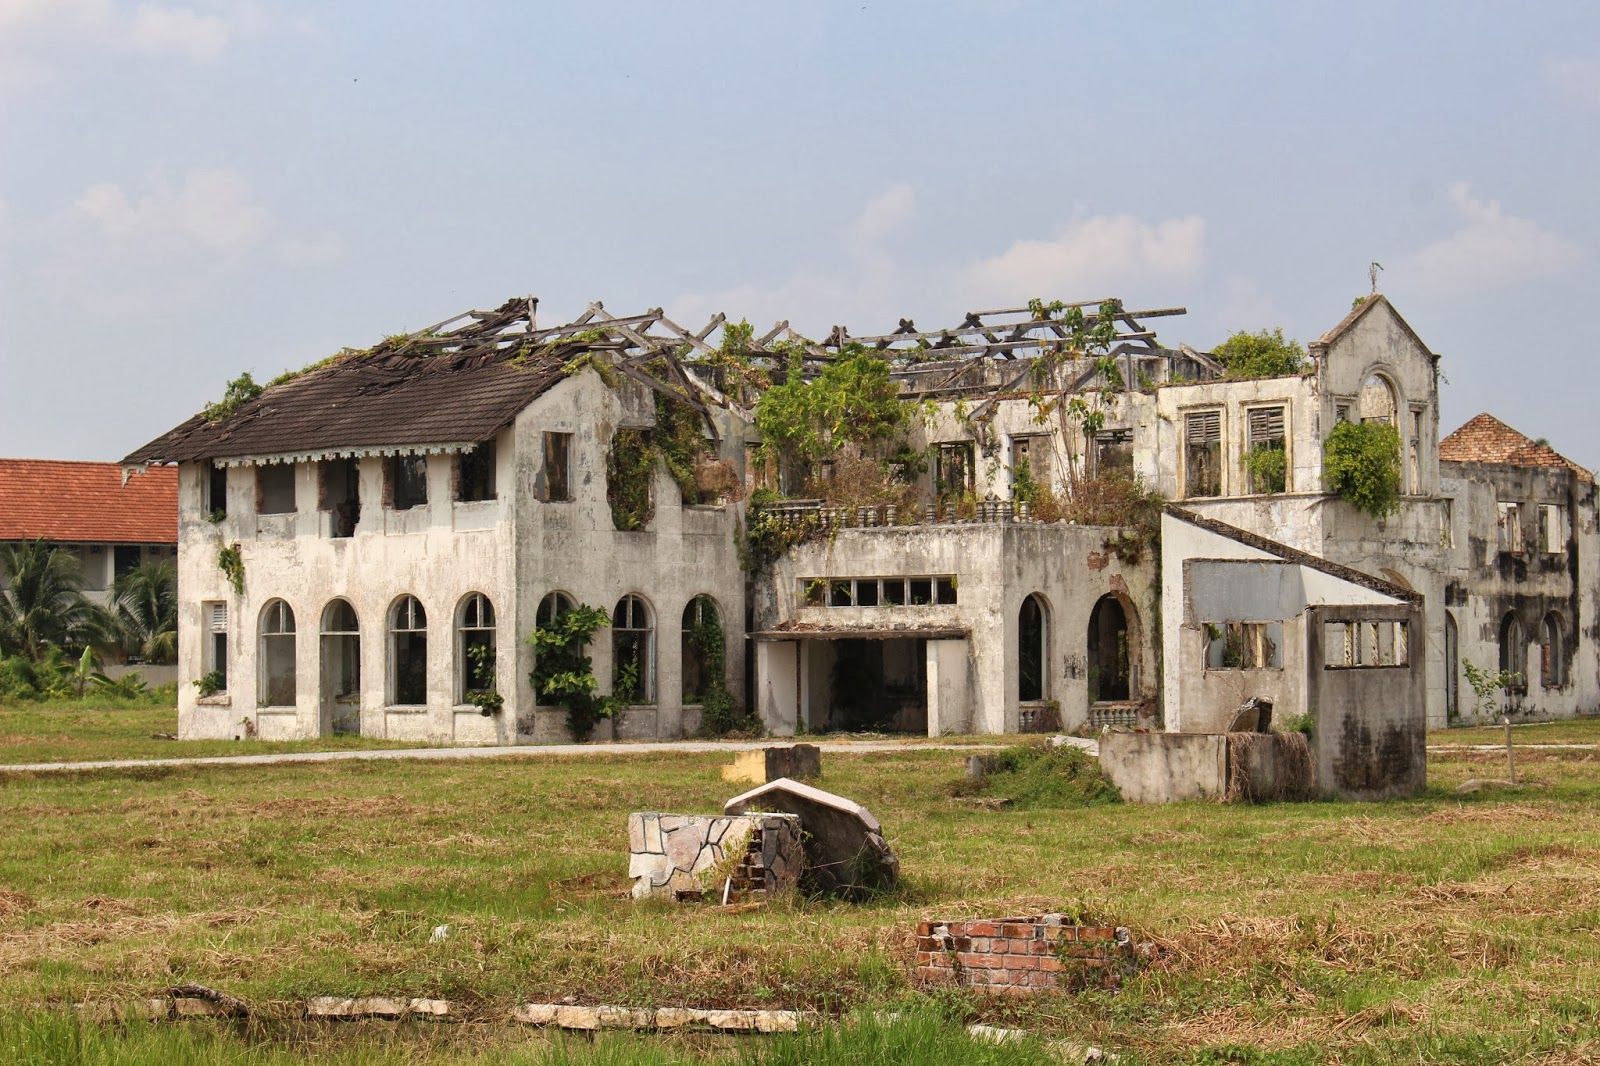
column 1441, row 929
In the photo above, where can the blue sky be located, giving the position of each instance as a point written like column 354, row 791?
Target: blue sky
column 191, row 189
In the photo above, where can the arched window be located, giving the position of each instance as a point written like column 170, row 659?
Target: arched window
column 408, row 653
column 703, row 647
column 1552, row 669
column 553, row 606
column 1033, row 650
column 1108, row 650
column 633, row 652
column 341, row 667
column 276, row 687
column 474, row 646
column 1514, row 651
column 1377, row 403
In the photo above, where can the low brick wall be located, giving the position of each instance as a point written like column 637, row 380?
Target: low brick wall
column 1021, row 955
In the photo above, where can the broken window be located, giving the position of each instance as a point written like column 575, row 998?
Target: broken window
column 1033, row 650
column 1362, row 645
column 408, row 653
column 1266, row 455
column 551, row 608
column 1552, row 531
column 125, row 557
column 1508, row 527
column 633, row 653
column 1552, row 670
column 952, row 469
column 701, row 631
column 216, row 491
column 275, row 489
column 557, row 457
column 277, row 684
column 1376, row 402
column 1244, row 645
column 214, row 659
column 1113, row 453
column 407, row 477
column 474, row 646
column 1341, row 411
column 341, row 665
column 1514, row 652
column 1202, row 453
column 340, row 491
column 475, row 474
column 878, row 591
column 1414, row 452
column 1030, row 468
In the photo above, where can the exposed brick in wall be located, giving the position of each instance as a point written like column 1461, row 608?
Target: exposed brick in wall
column 1021, row 955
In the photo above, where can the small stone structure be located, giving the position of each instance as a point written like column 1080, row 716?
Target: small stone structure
column 1179, row 767
column 758, row 766
column 731, row 858
column 1020, row 956
column 845, row 850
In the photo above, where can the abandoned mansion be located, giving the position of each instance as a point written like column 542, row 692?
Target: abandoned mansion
column 1040, row 518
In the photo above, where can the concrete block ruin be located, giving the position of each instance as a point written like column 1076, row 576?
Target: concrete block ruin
column 757, row 767
column 1233, row 767
column 845, row 850
column 725, row 858
column 1021, row 956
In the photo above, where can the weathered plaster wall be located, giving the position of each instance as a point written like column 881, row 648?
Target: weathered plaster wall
column 1483, row 584
column 514, row 549
column 996, row 565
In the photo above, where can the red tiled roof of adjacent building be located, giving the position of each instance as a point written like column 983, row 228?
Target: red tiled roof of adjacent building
column 87, row 503
column 1486, row 439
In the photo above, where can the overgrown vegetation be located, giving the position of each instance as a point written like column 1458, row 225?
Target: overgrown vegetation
column 563, row 673
column 1266, row 353
column 1039, row 776
column 1268, row 467
column 240, row 391
column 482, row 693
column 677, row 442
column 1361, row 464
column 852, row 400
column 718, row 714
column 1487, row 688
column 230, row 560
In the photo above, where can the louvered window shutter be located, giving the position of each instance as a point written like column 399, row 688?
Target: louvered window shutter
column 1204, row 427
column 1266, row 423
column 219, row 618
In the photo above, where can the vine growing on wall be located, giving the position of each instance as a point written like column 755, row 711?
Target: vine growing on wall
column 563, row 673
column 718, row 715
column 679, row 445
column 483, row 693
column 230, row 560
column 1361, row 464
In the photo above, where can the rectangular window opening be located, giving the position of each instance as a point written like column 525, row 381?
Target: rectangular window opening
column 216, row 491
column 1266, row 453
column 1365, row 645
column 475, row 474
column 952, row 469
column 557, row 459
column 340, row 490
column 214, row 658
column 867, row 592
column 1508, row 527
column 1552, row 531
column 408, row 481
column 275, row 489
column 1202, row 456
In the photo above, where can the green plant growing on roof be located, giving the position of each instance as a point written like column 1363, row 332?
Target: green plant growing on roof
column 1266, row 353
column 240, row 391
column 1361, row 464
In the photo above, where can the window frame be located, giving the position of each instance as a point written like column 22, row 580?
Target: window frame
column 214, row 653
column 1190, row 416
column 475, row 480
column 415, row 628
column 395, row 478
column 1252, row 441
column 273, row 471
column 469, row 626
column 276, row 623
column 556, row 489
column 631, row 605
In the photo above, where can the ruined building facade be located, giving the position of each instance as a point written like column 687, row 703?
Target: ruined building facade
column 367, row 546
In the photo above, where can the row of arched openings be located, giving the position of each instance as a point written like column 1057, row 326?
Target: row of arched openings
column 633, row 635
column 1107, row 646
column 1514, row 650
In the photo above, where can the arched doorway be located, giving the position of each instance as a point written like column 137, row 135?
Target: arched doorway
column 341, row 669
column 1109, row 672
column 1452, row 668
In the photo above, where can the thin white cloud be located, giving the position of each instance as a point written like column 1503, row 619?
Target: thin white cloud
column 1104, row 253
column 40, row 38
column 1491, row 248
column 867, row 287
column 1576, row 79
column 213, row 209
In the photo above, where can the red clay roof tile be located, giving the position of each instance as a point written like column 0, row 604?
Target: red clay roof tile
column 73, row 502
column 1486, row 439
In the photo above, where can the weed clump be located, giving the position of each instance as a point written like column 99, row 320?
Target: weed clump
column 1038, row 776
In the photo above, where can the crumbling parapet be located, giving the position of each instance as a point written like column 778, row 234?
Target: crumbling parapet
column 728, row 858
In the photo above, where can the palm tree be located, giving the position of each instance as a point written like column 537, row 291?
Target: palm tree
column 42, row 604
column 144, row 610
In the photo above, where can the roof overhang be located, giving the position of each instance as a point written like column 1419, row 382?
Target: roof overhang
column 376, row 451
column 866, row 633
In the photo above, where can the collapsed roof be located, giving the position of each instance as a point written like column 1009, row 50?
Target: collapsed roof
column 459, row 381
